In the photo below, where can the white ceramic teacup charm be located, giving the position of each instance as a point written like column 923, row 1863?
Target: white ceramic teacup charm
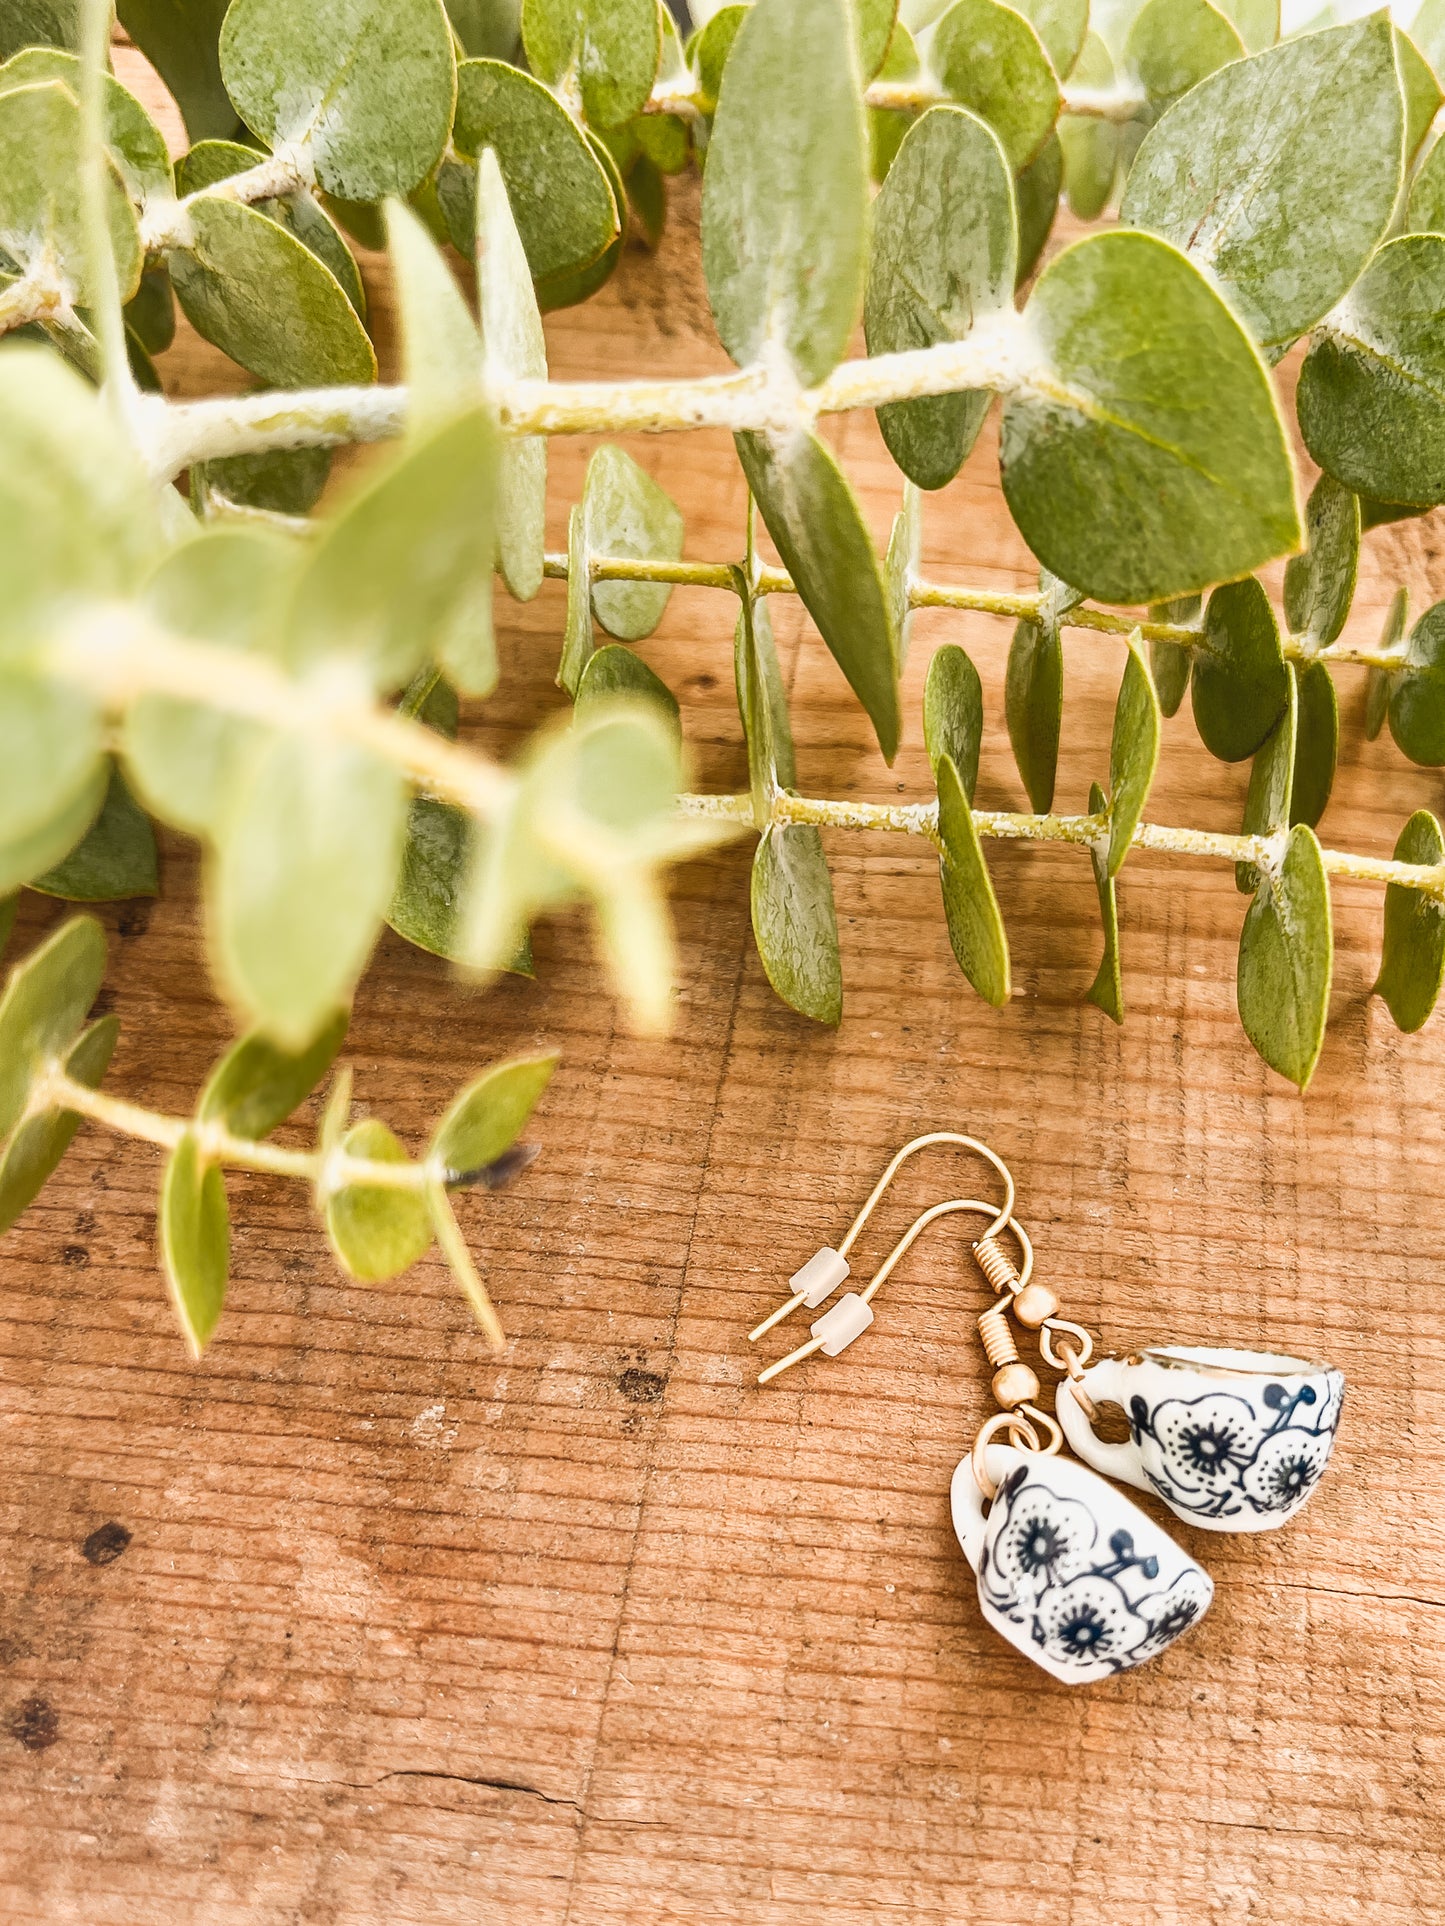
column 1070, row 1571
column 1230, row 1440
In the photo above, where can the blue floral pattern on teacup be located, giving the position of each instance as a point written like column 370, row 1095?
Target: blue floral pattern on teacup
column 1090, row 1607
column 1223, row 1456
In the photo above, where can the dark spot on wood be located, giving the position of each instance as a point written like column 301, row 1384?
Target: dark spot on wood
column 105, row 1544
column 703, row 682
column 134, row 920
column 34, row 1724
column 74, row 1257
column 641, row 1387
column 84, row 1222
column 12, row 1650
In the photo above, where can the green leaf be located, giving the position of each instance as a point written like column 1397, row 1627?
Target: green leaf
column 403, row 574
column 1421, row 91
column 1037, row 192
column 1061, row 25
column 1286, row 956
column 256, row 1086
column 1267, row 807
column 308, row 850
column 795, row 923
column 248, row 285
column 975, row 927
column 900, row 567
column 1170, row 662
column 709, row 50
column 1425, row 211
column 26, row 23
column 614, row 672
column 1417, row 694
column 572, row 285
column 1319, row 585
column 1090, row 143
column 944, row 252
column 1285, row 220
column 1173, row 45
column 1033, row 707
column 37, row 1146
column 887, row 126
column 47, row 995
column 1412, row 961
column 367, row 85
column 626, row 515
column 181, row 40
column 1240, row 684
column 50, row 744
column 785, row 192
column 31, row 854
column 577, row 628
column 434, row 864
column 116, row 859
column 511, row 329
column 558, row 189
column 1380, row 681
column 1107, row 988
column 227, row 586
column 212, row 161
column 1427, row 30
column 1256, row 21
column 1144, row 457
column 610, row 48
column 1371, row 396
column 376, row 1230
column 1133, row 753
column 763, row 707
column 195, row 1241
column 487, row 29
column 820, row 533
column 42, row 226
column 151, row 312
column 136, row 145
column 1318, row 745
column 284, row 481
column 8, row 907
column 953, row 714
column 490, row 1114
column 991, row 59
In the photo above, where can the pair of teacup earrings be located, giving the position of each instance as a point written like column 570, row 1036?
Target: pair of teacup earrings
column 1070, row 1571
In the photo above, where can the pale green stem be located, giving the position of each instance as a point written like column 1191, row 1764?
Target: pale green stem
column 105, row 304
column 167, row 223
column 913, row 96
column 32, row 298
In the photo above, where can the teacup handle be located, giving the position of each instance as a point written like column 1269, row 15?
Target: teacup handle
column 1103, row 1384
column 967, row 1501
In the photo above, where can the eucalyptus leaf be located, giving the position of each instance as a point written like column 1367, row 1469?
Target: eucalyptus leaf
column 794, row 921
column 195, row 1241
column 376, row 1230
column 248, row 285
column 1267, row 807
column 42, row 223
column 24, row 857
column 487, row 1118
column 953, row 714
column 29, row 23
column 991, row 59
column 1425, row 210
column 47, row 995
column 1173, row 45
column 709, row 50
column 1421, row 91
column 945, row 248
column 226, row 587
column 1170, row 662
column 151, row 311
column 403, row 574
column 425, row 905
column 1133, row 753
column 50, row 743
column 283, row 481
column 1036, row 191
column 610, row 48
column 577, row 627
column 763, row 707
column 1417, row 694
column 1145, row 456
column 1371, row 395
column 1090, row 143
column 1319, row 585
column 627, row 515
column 1280, row 173
column 975, row 927
column 1033, row 707
column 613, row 672
column 785, row 192
column 32, row 1152
column 256, row 1086
column 572, row 285
column 368, row 86
column 516, row 350
column 115, row 859
column 1256, row 21
column 181, row 40
column 1062, row 26
column 900, row 567
column 1107, row 988
column 814, row 519
column 135, row 144
column 1379, row 682
column 1318, row 747
column 487, row 29
column 557, row 187
column 887, row 125
column 307, row 857
column 8, row 907
column 1412, row 960
column 212, row 161
column 1240, row 682
column 1286, row 956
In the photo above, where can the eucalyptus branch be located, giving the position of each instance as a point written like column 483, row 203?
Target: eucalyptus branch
column 166, row 224
column 1119, row 104
column 109, row 322
column 31, row 298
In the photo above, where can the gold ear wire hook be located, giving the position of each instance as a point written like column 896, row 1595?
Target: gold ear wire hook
column 1000, row 1217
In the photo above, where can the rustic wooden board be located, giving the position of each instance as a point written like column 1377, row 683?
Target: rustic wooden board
column 604, row 1633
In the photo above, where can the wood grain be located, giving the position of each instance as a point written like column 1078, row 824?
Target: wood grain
column 602, row 1632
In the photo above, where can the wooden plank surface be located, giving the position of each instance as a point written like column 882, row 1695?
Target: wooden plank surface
column 604, row 1633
